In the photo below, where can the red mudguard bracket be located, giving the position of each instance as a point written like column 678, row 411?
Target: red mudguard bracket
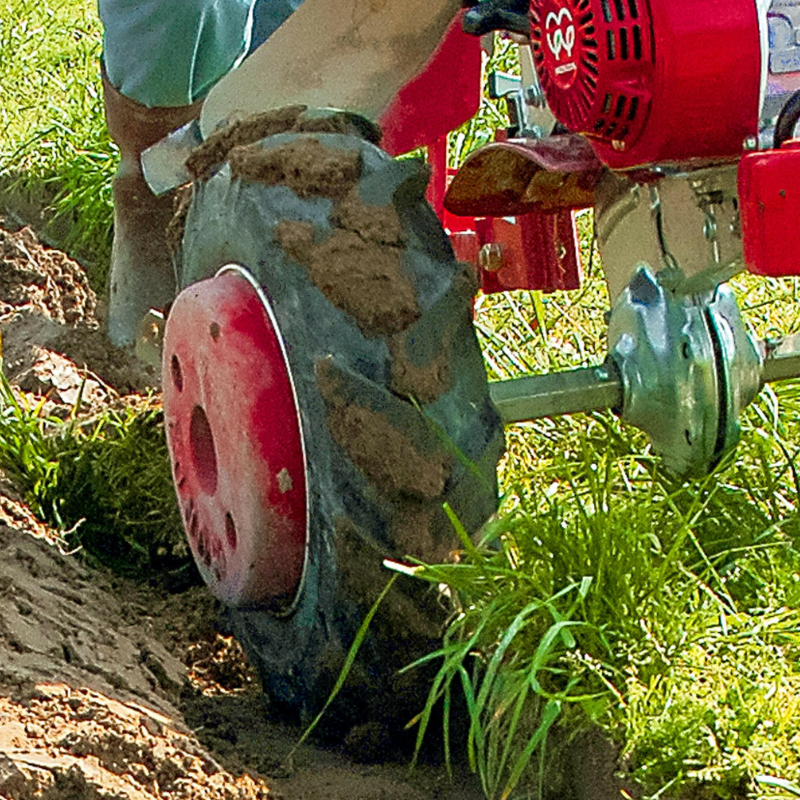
column 769, row 195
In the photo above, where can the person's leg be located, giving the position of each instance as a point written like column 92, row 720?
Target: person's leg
column 171, row 52
column 141, row 275
column 160, row 59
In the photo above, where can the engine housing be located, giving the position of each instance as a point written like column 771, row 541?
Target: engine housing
column 652, row 81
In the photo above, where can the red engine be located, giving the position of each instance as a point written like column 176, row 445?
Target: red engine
column 651, row 81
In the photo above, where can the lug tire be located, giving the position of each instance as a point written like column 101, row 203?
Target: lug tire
column 375, row 316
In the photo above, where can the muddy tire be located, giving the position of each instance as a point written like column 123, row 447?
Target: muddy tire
column 374, row 316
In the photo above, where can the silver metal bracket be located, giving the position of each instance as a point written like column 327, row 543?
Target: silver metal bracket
column 688, row 369
column 686, row 225
column 680, row 367
column 527, row 107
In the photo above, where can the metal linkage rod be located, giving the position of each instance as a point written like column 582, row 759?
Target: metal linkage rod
column 781, row 358
column 595, row 388
column 556, row 393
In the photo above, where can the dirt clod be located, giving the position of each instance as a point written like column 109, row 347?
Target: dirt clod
column 50, row 332
column 216, row 147
column 367, row 281
column 40, row 278
column 379, row 224
column 415, row 529
column 363, row 278
column 425, row 382
column 105, row 754
column 297, row 239
column 294, row 119
column 177, row 225
column 306, row 166
column 386, row 454
column 365, row 575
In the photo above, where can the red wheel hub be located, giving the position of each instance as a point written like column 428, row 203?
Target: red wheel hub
column 235, row 442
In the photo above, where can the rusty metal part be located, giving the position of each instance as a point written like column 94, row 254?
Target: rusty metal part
column 516, row 177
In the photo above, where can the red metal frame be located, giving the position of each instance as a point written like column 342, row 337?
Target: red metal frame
column 539, row 249
column 769, row 194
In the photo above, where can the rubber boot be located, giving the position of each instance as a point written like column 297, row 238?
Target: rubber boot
column 141, row 275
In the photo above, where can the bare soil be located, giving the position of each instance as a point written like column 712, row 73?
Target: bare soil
column 111, row 688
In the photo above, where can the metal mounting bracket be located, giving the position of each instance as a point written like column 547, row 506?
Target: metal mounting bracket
column 680, row 367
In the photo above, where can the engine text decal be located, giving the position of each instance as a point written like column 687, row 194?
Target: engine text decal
column 560, row 35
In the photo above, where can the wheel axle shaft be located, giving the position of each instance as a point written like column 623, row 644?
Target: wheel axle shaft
column 599, row 388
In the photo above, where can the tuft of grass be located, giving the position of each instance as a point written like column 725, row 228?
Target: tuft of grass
column 54, row 146
column 607, row 594
column 104, row 482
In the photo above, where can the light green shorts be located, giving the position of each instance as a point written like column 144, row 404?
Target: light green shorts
column 171, row 52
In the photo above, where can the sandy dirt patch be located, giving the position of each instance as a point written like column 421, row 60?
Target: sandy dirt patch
column 111, row 688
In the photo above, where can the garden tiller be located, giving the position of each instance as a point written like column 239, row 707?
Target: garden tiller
column 325, row 397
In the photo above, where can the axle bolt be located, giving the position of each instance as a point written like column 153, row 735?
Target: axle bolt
column 490, row 257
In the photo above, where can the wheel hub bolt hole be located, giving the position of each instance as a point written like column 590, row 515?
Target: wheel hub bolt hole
column 204, row 456
column 177, row 372
column 230, row 531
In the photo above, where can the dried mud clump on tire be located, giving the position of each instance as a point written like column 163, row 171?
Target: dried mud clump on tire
column 216, row 147
column 306, row 166
column 386, row 454
column 366, row 280
column 291, row 119
column 41, row 279
column 359, row 267
column 364, row 573
column 177, row 225
column 379, row 224
column 424, row 382
column 297, row 239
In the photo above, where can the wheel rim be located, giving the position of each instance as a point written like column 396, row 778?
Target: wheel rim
column 235, row 441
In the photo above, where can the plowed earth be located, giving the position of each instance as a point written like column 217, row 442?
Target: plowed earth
column 111, row 688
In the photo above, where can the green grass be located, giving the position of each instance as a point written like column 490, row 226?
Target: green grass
column 607, row 593
column 103, row 482
column 54, row 147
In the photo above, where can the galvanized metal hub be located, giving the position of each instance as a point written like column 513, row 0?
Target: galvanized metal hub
column 235, row 441
column 688, row 368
